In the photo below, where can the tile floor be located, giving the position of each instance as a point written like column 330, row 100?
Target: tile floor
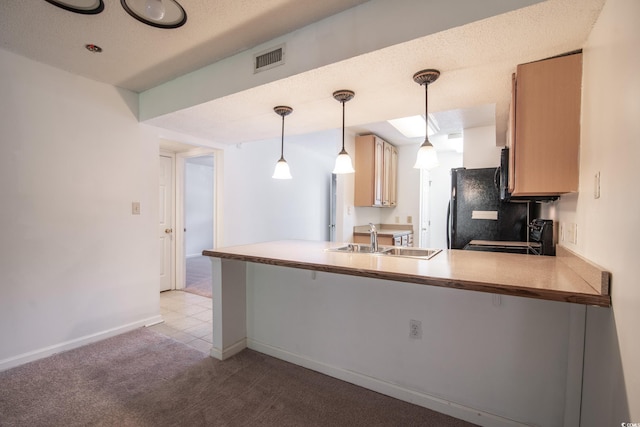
column 188, row 318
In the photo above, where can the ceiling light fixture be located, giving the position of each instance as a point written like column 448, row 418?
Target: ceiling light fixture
column 343, row 161
column 282, row 168
column 157, row 13
column 427, row 157
column 86, row 7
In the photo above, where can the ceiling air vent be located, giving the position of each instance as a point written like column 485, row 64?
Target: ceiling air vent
column 266, row 60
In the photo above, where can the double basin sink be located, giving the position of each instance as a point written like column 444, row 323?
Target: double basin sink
column 399, row 251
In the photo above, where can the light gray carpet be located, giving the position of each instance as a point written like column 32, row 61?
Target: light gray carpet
column 143, row 378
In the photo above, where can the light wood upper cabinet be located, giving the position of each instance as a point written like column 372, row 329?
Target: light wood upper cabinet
column 376, row 172
column 545, row 138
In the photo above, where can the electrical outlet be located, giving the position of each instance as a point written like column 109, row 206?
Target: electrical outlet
column 415, row 329
column 497, row 300
column 409, row 219
column 397, row 220
column 135, row 208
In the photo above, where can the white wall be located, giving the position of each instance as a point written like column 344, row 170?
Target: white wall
column 259, row 208
column 198, row 201
column 608, row 226
column 75, row 264
column 514, row 360
column 480, row 149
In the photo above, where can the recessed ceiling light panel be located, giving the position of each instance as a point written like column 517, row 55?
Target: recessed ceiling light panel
column 413, row 127
column 157, row 13
column 87, row 7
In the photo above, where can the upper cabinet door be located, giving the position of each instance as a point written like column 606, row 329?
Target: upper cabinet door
column 546, row 144
column 378, row 166
column 375, row 179
column 386, row 179
column 393, row 177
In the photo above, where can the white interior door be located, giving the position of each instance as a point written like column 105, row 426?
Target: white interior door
column 165, row 231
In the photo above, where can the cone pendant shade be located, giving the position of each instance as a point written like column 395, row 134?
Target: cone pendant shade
column 343, row 163
column 427, row 157
column 282, row 170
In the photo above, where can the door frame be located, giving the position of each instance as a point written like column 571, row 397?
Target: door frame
column 424, row 222
column 180, row 163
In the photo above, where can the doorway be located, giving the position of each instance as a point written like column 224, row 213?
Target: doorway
column 199, row 198
column 435, row 193
column 174, row 157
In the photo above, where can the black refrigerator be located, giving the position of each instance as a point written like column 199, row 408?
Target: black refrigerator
column 477, row 213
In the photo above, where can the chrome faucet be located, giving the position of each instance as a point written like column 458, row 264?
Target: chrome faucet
column 374, row 237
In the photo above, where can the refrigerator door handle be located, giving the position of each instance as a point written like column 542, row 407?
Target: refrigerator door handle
column 448, row 225
column 496, row 179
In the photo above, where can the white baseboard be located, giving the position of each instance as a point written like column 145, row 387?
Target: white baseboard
column 21, row 359
column 232, row 350
column 418, row 398
column 155, row 320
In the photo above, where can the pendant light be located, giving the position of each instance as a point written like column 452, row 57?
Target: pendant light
column 427, row 157
column 86, row 7
column 282, row 168
column 343, row 161
column 157, row 13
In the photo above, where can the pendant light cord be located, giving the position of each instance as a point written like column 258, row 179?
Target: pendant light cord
column 426, row 111
column 282, row 141
column 342, row 125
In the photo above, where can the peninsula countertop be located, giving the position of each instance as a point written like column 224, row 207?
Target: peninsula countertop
column 565, row 277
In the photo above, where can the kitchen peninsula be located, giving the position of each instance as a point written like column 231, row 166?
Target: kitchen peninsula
column 560, row 278
column 513, row 323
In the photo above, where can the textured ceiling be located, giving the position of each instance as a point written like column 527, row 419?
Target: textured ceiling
column 137, row 56
column 474, row 89
column 476, row 61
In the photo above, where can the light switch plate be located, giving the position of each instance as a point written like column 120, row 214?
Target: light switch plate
column 571, row 232
column 596, row 186
column 135, row 208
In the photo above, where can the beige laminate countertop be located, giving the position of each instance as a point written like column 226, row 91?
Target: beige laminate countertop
column 561, row 278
